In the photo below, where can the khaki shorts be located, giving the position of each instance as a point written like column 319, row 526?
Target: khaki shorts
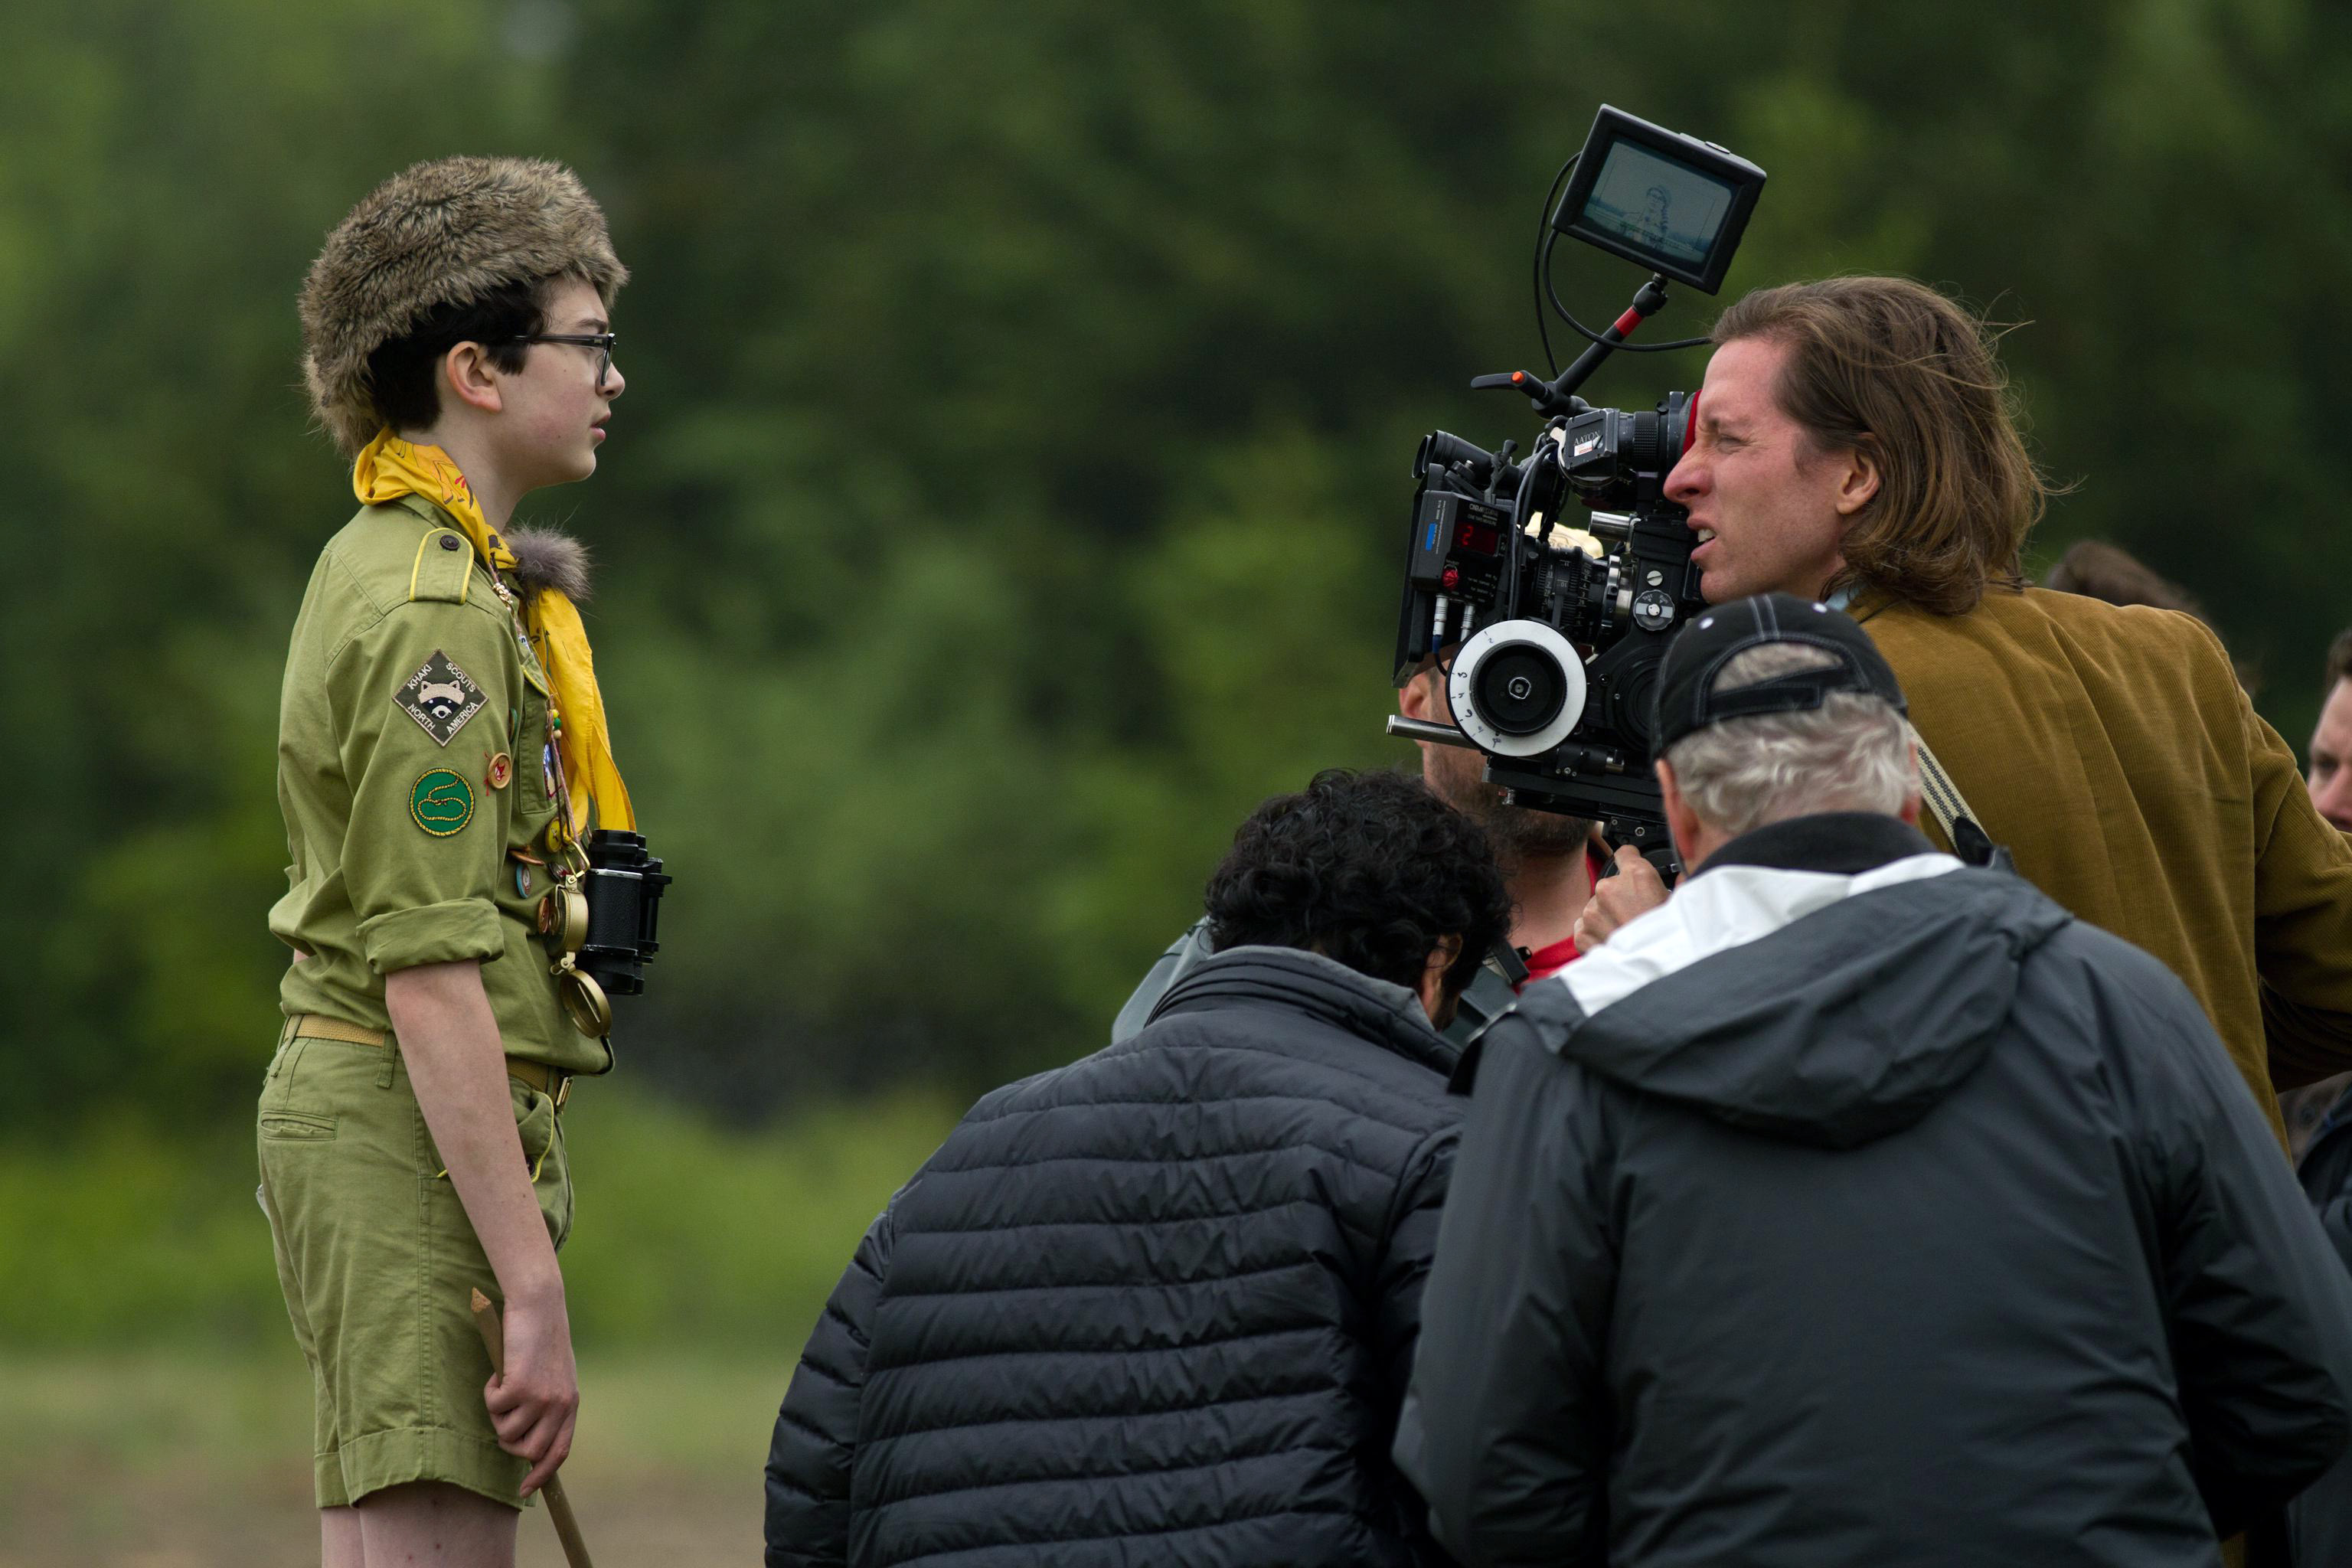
column 378, row 1260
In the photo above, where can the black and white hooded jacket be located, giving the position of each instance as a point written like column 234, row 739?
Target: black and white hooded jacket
column 1860, row 1207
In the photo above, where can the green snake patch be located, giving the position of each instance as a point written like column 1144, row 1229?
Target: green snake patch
column 442, row 803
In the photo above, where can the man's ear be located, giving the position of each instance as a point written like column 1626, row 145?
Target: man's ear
column 1434, row 999
column 1681, row 822
column 1857, row 481
column 1419, row 699
column 466, row 368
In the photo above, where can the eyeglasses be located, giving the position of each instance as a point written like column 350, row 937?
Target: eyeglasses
column 602, row 341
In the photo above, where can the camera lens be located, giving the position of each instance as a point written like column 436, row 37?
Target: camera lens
column 1645, row 443
column 1519, row 688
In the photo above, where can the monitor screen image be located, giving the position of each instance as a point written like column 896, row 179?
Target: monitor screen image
column 1659, row 204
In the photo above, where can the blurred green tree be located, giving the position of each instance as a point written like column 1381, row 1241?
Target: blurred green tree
column 1007, row 493
column 166, row 172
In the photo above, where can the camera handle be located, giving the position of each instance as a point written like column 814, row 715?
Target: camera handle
column 1550, row 397
column 1662, row 857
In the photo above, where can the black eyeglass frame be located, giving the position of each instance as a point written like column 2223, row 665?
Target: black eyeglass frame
column 603, row 340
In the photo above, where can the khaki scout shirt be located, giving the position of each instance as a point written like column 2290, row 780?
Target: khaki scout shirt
column 2111, row 750
column 407, row 682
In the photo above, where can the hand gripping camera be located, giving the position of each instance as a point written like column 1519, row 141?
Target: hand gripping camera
column 1550, row 631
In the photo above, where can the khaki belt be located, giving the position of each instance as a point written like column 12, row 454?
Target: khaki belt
column 318, row 1027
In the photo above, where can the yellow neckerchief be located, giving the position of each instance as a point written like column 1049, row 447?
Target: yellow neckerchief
column 390, row 468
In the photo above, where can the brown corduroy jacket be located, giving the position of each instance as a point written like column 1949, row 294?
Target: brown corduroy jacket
column 2111, row 750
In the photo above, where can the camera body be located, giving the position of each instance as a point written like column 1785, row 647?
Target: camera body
column 1553, row 650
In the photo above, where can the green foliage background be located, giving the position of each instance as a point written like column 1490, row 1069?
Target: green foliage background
column 1006, row 494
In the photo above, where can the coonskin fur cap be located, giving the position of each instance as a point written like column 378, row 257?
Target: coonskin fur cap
column 442, row 233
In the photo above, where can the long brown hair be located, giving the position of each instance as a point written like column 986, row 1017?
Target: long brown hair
column 1894, row 370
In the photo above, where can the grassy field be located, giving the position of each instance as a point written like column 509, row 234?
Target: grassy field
column 155, row 1412
column 171, row 1460
column 686, row 1234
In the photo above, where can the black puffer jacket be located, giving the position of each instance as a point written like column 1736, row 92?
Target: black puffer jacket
column 1898, row 1219
column 1158, row 1306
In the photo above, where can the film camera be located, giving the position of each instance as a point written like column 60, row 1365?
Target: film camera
column 1551, row 645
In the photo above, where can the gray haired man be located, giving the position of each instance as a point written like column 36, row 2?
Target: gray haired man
column 1859, row 1206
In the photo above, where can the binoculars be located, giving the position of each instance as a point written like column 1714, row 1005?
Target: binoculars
column 600, row 925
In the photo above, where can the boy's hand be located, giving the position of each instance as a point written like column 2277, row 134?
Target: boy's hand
column 534, row 1403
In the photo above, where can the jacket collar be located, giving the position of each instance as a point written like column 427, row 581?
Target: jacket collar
column 1292, row 979
column 1750, row 889
column 1845, row 843
column 1865, row 601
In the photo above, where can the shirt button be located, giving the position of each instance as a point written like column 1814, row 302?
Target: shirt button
column 448, row 542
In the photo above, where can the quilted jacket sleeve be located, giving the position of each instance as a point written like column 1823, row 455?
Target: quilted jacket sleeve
column 1411, row 1246
column 816, row 1444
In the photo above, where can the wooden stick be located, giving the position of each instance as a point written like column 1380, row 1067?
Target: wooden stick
column 558, row 1507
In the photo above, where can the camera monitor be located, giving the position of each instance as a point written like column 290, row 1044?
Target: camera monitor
column 1660, row 199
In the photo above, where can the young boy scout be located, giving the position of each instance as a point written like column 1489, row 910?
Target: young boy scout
column 441, row 756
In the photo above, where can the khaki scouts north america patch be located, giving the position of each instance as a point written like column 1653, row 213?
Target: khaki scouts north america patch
column 441, row 803
column 441, row 697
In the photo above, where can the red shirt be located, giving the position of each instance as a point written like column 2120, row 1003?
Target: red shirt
column 1543, row 963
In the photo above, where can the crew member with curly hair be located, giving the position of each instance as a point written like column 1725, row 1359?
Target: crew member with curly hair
column 1161, row 1303
column 442, row 755
column 1550, row 863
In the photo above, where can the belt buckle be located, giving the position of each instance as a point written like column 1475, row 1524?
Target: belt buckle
column 562, row 1090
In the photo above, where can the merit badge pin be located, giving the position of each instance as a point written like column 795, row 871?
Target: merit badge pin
column 501, row 769
column 441, row 698
column 441, row 802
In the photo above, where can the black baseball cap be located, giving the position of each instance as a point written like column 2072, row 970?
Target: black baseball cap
column 1687, row 700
